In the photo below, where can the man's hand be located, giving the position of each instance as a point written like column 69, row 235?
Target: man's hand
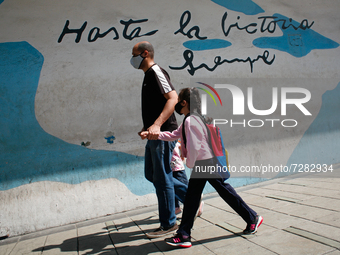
column 154, row 131
column 168, row 109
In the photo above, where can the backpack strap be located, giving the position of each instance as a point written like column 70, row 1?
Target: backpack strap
column 204, row 122
column 183, row 131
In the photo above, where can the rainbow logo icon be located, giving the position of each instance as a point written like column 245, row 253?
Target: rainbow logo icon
column 209, row 93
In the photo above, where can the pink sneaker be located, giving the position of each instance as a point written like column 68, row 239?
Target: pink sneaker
column 252, row 228
column 179, row 240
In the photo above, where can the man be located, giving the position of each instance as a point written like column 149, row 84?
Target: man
column 158, row 101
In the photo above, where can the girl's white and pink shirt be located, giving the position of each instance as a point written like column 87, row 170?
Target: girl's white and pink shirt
column 176, row 160
column 197, row 146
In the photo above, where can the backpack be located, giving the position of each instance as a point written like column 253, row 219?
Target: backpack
column 216, row 144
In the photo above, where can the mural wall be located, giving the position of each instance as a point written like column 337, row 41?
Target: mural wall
column 70, row 100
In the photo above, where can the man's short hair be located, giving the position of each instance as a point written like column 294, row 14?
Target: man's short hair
column 146, row 46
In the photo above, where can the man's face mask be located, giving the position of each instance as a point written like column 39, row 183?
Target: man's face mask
column 179, row 107
column 136, row 61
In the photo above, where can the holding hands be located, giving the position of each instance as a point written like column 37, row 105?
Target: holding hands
column 143, row 134
column 152, row 133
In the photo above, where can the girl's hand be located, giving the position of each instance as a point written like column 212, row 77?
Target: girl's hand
column 144, row 134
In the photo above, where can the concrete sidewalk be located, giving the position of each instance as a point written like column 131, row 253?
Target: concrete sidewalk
column 301, row 216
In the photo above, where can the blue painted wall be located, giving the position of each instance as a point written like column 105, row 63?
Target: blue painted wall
column 247, row 7
column 320, row 143
column 297, row 39
column 29, row 154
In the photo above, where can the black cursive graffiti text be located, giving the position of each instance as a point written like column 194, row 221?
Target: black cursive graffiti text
column 183, row 25
column 269, row 23
column 94, row 33
column 189, row 57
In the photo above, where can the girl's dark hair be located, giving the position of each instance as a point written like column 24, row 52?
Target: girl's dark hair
column 192, row 96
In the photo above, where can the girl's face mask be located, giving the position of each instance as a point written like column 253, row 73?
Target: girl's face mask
column 179, row 107
column 136, row 61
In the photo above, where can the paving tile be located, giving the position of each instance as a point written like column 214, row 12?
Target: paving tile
column 215, row 202
column 129, row 237
column 124, row 223
column 214, row 237
column 243, row 247
column 260, row 197
column 208, row 207
column 99, row 228
column 305, row 190
column 299, row 198
column 218, row 215
column 328, row 179
column 331, row 232
column 94, row 239
column 290, row 188
column 266, row 202
column 335, row 252
column 96, row 244
column 145, row 248
column 5, row 249
column 224, row 207
column 200, row 222
column 110, row 226
column 257, row 191
column 331, row 219
column 31, row 246
column 147, row 221
column 148, row 218
column 283, row 242
column 313, row 183
column 65, row 241
column 305, row 212
column 230, row 227
column 314, row 236
column 283, row 198
column 323, row 202
column 196, row 248
column 220, row 203
column 279, row 220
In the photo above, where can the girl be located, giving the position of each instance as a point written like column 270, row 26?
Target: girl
column 178, row 171
column 198, row 153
